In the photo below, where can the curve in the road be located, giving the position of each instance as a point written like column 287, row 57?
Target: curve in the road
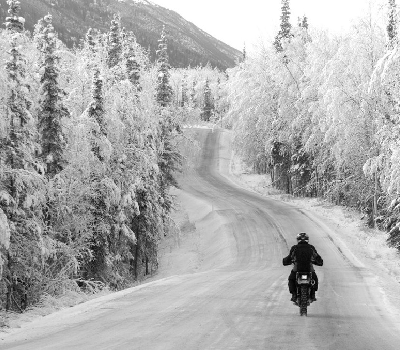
column 242, row 303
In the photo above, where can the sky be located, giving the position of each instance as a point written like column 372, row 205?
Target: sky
column 236, row 22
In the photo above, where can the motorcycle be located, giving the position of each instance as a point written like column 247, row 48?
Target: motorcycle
column 304, row 284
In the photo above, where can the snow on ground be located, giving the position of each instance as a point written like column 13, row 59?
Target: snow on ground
column 34, row 327
column 12, row 321
column 195, row 246
column 364, row 246
column 202, row 125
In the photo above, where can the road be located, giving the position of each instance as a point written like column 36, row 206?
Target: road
column 244, row 302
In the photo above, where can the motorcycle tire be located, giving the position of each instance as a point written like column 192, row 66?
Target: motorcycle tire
column 303, row 300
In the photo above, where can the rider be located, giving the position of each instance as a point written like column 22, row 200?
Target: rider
column 303, row 256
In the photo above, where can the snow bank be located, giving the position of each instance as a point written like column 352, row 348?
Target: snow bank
column 203, row 240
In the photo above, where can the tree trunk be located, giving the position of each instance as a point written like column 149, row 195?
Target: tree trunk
column 375, row 202
column 137, row 254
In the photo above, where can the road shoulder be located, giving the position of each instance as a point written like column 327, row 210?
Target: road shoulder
column 364, row 247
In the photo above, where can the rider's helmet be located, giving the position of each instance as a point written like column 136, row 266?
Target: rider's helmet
column 302, row 237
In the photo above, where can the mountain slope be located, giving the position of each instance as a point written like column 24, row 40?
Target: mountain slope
column 187, row 45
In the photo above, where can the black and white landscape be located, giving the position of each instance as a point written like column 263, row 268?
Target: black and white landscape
column 152, row 178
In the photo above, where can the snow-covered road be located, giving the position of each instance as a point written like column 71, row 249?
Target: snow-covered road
column 239, row 298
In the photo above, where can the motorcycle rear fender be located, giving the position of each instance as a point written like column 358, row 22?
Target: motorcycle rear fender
column 303, row 277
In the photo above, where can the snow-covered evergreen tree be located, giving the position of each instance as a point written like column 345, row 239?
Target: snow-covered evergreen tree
column 169, row 159
column 285, row 20
column 21, row 186
column 38, row 34
column 52, row 110
column 14, row 23
column 96, row 112
column 164, row 89
column 392, row 26
column 303, row 22
column 219, row 111
column 285, row 26
column 21, row 134
column 208, row 105
column 184, row 91
column 193, row 94
column 114, row 45
column 304, row 34
column 132, row 65
column 102, row 200
column 89, row 40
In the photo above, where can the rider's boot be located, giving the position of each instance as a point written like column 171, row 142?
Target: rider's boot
column 312, row 296
column 294, row 298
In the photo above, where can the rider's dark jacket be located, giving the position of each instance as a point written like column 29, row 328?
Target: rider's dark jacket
column 291, row 258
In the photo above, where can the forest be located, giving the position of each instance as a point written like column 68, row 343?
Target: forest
column 91, row 140
column 90, row 146
column 323, row 115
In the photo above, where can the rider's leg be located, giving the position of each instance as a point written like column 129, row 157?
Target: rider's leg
column 292, row 285
column 315, row 287
column 315, row 278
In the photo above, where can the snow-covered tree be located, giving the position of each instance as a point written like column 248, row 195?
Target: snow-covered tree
column 184, row 91
column 96, row 113
column 188, row 85
column 102, row 186
column 38, row 34
column 169, row 160
column 52, row 110
column 21, row 186
column 304, row 33
column 20, row 138
column 193, row 93
column 14, row 23
column 114, row 46
column 89, row 40
column 392, row 26
column 305, row 119
column 164, row 89
column 303, row 22
column 168, row 156
column 208, row 105
column 382, row 166
column 285, row 26
column 132, row 64
column 102, row 210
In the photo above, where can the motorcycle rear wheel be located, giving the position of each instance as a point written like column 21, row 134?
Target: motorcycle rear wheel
column 303, row 300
